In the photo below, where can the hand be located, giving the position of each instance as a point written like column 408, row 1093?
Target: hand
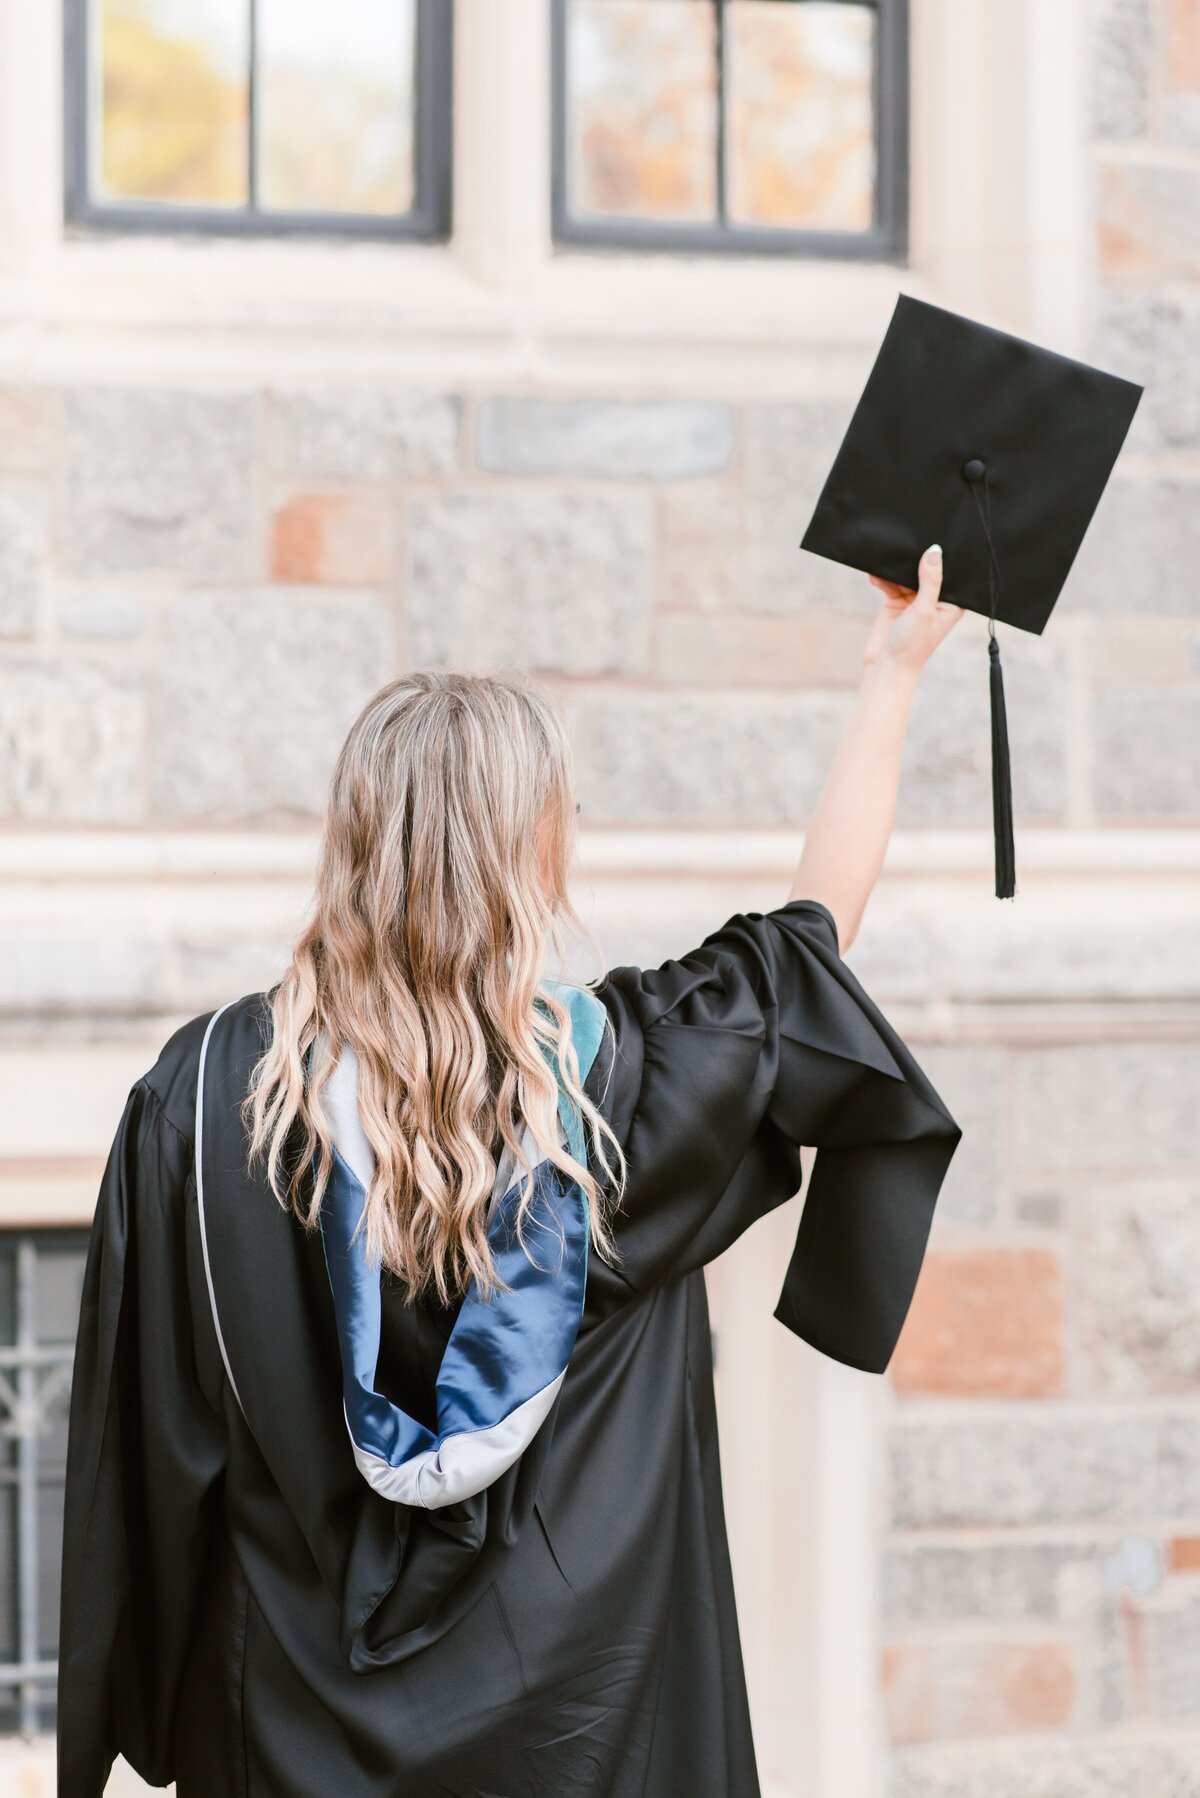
column 910, row 625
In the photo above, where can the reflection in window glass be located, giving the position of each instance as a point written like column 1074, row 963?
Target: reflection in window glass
column 799, row 114
column 335, row 105
column 171, row 83
column 642, row 109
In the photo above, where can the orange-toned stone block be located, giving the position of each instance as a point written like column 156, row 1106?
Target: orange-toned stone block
column 937, row 1691
column 984, row 1321
column 332, row 539
column 1183, row 46
column 1183, row 1554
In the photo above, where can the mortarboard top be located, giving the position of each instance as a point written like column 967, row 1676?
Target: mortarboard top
column 995, row 448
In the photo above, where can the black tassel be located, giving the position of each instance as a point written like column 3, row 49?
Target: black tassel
column 1002, row 809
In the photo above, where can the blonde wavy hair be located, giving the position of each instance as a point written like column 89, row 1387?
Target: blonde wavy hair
column 441, row 891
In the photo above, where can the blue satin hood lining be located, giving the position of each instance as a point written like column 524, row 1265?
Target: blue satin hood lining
column 506, row 1355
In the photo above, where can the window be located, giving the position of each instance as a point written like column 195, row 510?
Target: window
column 751, row 126
column 41, row 1282
column 259, row 117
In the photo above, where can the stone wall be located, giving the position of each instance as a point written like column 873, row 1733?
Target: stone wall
column 197, row 590
column 1042, row 1565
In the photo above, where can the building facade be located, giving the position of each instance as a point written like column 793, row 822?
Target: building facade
column 249, row 471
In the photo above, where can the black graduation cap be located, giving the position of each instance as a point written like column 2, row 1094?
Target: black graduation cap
column 995, row 448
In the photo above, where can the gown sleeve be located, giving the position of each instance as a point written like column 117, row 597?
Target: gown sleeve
column 145, row 1455
column 721, row 1065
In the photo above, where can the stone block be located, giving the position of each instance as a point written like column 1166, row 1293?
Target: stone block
column 255, row 692
column 1139, row 549
column 1147, row 753
column 701, row 548
column 1181, row 122
column 985, row 1322
column 112, row 614
column 29, row 427
column 1095, row 1767
column 1000, row 1581
column 974, row 1083
column 547, row 580
column 71, row 739
column 363, row 433
column 160, row 480
column 1150, row 335
column 1121, row 57
column 1057, row 1465
column 625, row 440
column 1183, row 46
column 1171, row 1634
column 24, row 549
column 1108, row 1106
column 752, row 650
column 711, row 759
column 947, row 773
column 68, row 972
column 1148, row 220
column 1135, row 1289
column 333, row 539
column 789, row 449
column 938, row 1690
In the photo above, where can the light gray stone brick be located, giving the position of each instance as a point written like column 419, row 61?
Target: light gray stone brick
column 940, row 1582
column 625, row 440
column 1172, row 1627
column 649, row 757
column 1140, row 550
column 1151, row 337
column 974, row 1084
column 1075, row 1768
column 24, row 550
column 1136, row 1314
column 521, row 579
column 71, row 739
column 110, row 613
column 1108, row 1105
column 1181, row 121
column 159, row 480
column 363, row 433
column 947, row 772
column 1064, row 1464
column 1147, row 753
column 68, row 972
column 1121, row 51
column 789, row 449
column 254, row 695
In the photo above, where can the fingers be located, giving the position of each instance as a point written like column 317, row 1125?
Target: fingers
column 929, row 573
column 891, row 588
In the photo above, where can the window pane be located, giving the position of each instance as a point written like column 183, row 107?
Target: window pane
column 642, row 109
column 336, row 105
column 800, row 114
column 170, row 79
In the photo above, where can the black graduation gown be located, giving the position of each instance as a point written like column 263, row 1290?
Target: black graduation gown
column 243, row 1614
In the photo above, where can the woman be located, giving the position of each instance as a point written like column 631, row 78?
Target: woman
column 393, row 1461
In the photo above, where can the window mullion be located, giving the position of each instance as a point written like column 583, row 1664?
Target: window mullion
column 722, row 145
column 252, row 110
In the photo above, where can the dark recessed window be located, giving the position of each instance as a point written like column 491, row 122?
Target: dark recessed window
column 752, row 126
column 41, row 1280
column 259, row 117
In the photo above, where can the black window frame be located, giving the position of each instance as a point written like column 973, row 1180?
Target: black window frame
column 31, row 1372
column 886, row 240
column 427, row 221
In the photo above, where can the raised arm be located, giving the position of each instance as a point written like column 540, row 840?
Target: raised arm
column 849, row 829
